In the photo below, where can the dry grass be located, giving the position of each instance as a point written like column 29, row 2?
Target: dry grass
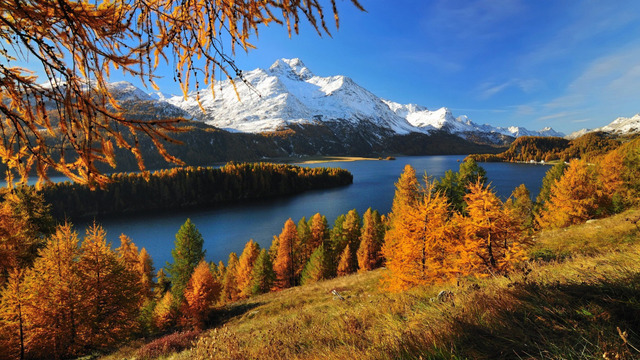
column 582, row 306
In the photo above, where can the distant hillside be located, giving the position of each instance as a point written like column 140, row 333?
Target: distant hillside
column 535, row 148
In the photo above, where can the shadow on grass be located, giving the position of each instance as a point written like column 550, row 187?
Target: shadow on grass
column 532, row 321
column 221, row 316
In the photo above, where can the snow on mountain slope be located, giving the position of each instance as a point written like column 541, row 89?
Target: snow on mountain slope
column 288, row 93
column 618, row 126
column 443, row 119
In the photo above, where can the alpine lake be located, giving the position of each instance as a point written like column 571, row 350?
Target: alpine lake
column 227, row 228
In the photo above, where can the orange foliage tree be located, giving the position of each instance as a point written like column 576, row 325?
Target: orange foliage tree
column 230, row 290
column 55, row 285
column 371, row 239
column 201, row 292
column 245, row 268
column 345, row 263
column 284, row 263
column 573, row 198
column 491, row 241
column 111, row 293
column 418, row 246
column 13, row 322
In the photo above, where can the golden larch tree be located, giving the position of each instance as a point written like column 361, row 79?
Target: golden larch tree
column 284, row 263
column 245, row 268
column 370, row 241
column 230, row 290
column 201, row 293
column 110, row 291
column 345, row 263
column 56, row 289
column 574, row 197
column 491, row 241
column 13, row 323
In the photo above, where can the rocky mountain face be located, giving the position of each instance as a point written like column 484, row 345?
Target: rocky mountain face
column 619, row 126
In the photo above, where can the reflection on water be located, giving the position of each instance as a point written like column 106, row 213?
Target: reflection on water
column 228, row 229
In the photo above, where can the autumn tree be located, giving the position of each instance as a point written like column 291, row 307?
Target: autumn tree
column 78, row 44
column 230, row 290
column 55, row 285
column 302, row 249
column 144, row 269
column 246, row 264
column 187, row 253
column 165, row 313
column 111, row 297
column 418, row 247
column 371, row 240
column 319, row 231
column 25, row 221
column 13, row 323
column 551, row 176
column 202, row 291
column 573, row 198
column 610, row 176
column 263, row 276
column 345, row 262
column 491, row 241
column 163, row 284
column 284, row 264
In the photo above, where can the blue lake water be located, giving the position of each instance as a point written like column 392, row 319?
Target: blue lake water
column 226, row 229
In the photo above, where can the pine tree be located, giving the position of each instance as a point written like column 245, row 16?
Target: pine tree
column 263, row 276
column 317, row 268
column 201, row 292
column 187, row 254
column 230, row 290
column 352, row 232
column 284, row 265
column 302, row 249
column 521, row 205
column 245, row 268
column 163, row 285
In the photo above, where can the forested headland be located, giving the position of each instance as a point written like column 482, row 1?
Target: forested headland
column 187, row 187
column 538, row 148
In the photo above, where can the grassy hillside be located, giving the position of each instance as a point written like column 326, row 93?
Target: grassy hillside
column 578, row 298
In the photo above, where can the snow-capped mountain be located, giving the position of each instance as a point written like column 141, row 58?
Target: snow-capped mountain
column 289, row 94
column 619, row 126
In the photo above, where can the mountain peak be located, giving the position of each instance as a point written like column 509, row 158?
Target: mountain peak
column 292, row 68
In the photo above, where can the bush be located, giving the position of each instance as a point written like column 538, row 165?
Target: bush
column 168, row 344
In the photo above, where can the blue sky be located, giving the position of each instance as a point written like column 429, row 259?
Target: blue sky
column 535, row 63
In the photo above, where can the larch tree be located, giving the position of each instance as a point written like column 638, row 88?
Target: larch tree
column 13, row 323
column 550, row 177
column 230, row 290
column 371, row 240
column 319, row 231
column 573, row 199
column 163, row 284
column 246, row 264
column 144, row 269
column 201, row 293
column 352, row 231
column 187, row 253
column 302, row 249
column 345, row 262
column 419, row 247
column 55, row 286
column 165, row 313
column 77, row 45
column 491, row 240
column 263, row 276
column 111, row 294
column 610, row 176
column 284, row 265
